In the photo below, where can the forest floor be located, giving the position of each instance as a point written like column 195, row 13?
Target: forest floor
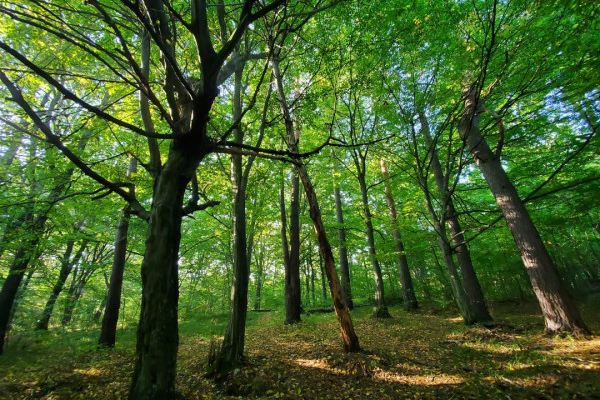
column 427, row 354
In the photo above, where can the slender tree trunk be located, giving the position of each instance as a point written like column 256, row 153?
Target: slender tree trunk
column 408, row 293
column 343, row 250
column 108, row 332
column 381, row 310
column 559, row 309
column 442, row 276
column 463, row 256
column 66, row 267
column 456, row 286
column 70, row 301
column 20, row 294
column 349, row 338
column 259, row 279
column 232, row 349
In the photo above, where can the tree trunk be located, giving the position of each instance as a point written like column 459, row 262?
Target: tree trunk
column 65, row 269
column 343, row 250
column 108, row 332
column 463, row 256
column 559, row 309
column 349, row 338
column 293, row 295
column 15, row 275
column 157, row 336
column 70, row 301
column 408, row 293
column 232, row 349
column 380, row 306
column 259, row 279
column 442, row 276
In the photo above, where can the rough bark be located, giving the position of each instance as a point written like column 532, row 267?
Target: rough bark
column 108, row 332
column 463, row 256
column 559, row 309
column 293, row 295
column 157, row 337
column 408, row 292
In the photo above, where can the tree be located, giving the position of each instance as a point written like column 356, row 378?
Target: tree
column 349, row 338
column 186, row 114
column 343, row 249
column 408, row 293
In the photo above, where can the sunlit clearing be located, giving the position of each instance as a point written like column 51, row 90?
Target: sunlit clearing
column 90, row 371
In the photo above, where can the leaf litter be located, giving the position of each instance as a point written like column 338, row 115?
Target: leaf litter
column 416, row 355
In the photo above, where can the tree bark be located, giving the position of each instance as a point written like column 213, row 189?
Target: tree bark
column 157, row 337
column 463, row 256
column 293, row 295
column 108, row 332
column 349, row 338
column 408, row 292
column 559, row 309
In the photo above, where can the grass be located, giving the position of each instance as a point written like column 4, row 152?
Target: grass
column 427, row 354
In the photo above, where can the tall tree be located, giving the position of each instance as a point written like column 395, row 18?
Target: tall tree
column 408, row 293
column 449, row 216
column 349, row 338
column 186, row 115
column 559, row 309
column 343, row 248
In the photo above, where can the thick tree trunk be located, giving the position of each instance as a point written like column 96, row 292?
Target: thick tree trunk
column 381, row 310
column 463, row 256
column 559, row 309
column 293, row 295
column 408, row 293
column 157, row 337
column 15, row 275
column 108, row 332
column 343, row 249
column 66, row 267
